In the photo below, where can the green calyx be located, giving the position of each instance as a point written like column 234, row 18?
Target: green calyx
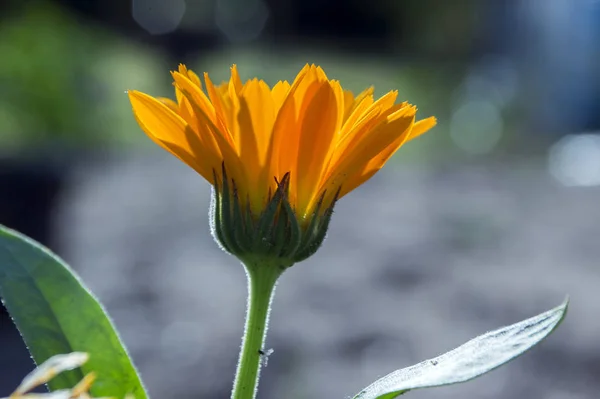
column 276, row 233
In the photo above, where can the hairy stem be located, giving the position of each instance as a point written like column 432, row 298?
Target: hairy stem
column 261, row 287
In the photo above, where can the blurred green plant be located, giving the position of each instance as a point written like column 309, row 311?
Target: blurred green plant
column 62, row 80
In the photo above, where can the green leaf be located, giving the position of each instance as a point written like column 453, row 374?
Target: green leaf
column 57, row 314
column 475, row 358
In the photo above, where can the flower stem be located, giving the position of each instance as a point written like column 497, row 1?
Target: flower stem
column 261, row 287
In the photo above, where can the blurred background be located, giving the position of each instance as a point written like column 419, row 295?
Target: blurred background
column 492, row 217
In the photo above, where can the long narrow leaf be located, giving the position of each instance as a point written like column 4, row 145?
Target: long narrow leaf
column 476, row 357
column 57, row 314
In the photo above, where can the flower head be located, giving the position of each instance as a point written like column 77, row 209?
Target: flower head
column 300, row 145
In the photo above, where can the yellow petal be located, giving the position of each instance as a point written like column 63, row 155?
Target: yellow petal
column 218, row 144
column 215, row 99
column 279, row 93
column 377, row 112
column 255, row 119
column 300, row 76
column 305, row 87
column 235, row 83
column 259, row 101
column 284, row 139
column 286, row 132
column 288, row 156
column 198, row 96
column 366, row 149
column 350, row 103
column 381, row 159
column 200, row 108
column 358, row 111
column 422, row 126
column 168, row 130
column 317, row 132
column 161, row 122
column 365, row 122
column 338, row 93
column 191, row 75
column 169, row 103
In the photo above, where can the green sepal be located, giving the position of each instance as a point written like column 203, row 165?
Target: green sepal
column 275, row 233
column 226, row 218
column 317, row 230
column 317, row 240
column 295, row 232
column 280, row 235
column 241, row 231
column 312, row 226
column 216, row 221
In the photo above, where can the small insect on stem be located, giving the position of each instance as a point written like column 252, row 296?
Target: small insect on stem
column 264, row 356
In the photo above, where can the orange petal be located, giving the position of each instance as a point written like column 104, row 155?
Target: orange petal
column 338, row 93
column 317, row 132
column 350, row 103
column 366, row 121
column 377, row 112
column 258, row 98
column 173, row 106
column 305, row 87
column 285, row 136
column 366, row 149
column 191, row 75
column 255, row 119
column 235, row 83
column 216, row 141
column 198, row 96
column 381, row 159
column 168, row 130
column 288, row 155
column 279, row 93
column 358, row 111
column 215, row 99
column 300, row 76
column 284, row 140
column 422, row 126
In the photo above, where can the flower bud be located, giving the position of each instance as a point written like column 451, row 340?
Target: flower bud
column 276, row 233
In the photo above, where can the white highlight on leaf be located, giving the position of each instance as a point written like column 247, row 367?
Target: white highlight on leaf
column 476, row 357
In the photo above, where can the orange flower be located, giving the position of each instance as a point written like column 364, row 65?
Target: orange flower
column 324, row 136
column 317, row 137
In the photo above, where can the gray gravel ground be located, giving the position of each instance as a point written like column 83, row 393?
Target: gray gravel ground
column 416, row 263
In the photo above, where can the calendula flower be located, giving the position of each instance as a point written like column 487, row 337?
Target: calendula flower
column 278, row 158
